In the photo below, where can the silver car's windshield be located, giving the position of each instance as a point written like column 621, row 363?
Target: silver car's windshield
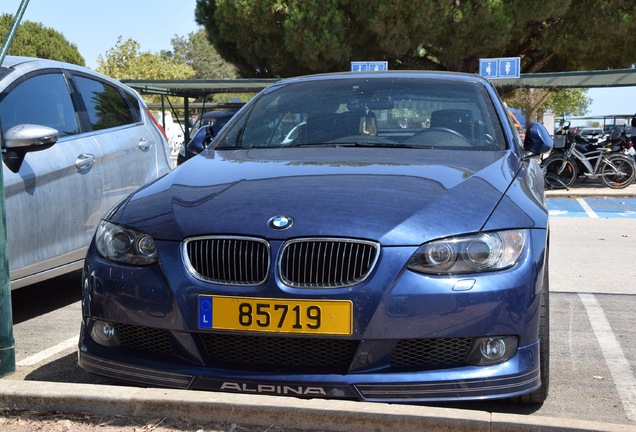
column 402, row 112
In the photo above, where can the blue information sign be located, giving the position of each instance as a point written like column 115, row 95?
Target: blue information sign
column 369, row 66
column 507, row 67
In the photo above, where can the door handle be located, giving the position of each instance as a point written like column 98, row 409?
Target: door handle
column 144, row 144
column 84, row 161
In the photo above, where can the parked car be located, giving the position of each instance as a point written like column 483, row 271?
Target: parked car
column 349, row 259
column 74, row 143
column 202, row 138
column 591, row 134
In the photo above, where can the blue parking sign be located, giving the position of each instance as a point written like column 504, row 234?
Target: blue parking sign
column 506, row 67
column 369, row 66
column 488, row 68
column 509, row 67
column 359, row 66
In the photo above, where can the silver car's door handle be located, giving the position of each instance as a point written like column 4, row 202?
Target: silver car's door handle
column 144, row 144
column 84, row 161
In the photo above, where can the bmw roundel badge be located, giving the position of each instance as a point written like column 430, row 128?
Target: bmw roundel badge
column 280, row 223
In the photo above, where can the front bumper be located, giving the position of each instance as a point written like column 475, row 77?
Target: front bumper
column 517, row 376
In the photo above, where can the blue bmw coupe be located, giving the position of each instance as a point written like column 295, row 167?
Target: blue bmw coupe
column 371, row 236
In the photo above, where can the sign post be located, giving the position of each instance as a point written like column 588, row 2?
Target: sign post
column 7, row 344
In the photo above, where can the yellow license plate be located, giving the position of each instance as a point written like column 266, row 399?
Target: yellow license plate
column 326, row 317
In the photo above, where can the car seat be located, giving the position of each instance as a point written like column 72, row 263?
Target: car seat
column 459, row 120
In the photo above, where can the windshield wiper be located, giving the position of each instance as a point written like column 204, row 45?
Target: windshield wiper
column 357, row 144
column 362, row 144
column 227, row 148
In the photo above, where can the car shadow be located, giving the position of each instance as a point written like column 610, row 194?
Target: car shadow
column 66, row 370
column 38, row 299
column 502, row 406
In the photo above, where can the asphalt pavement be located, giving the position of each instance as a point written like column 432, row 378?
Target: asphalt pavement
column 290, row 413
column 592, row 188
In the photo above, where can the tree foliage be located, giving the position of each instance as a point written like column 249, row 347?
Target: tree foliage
column 34, row 40
column 196, row 51
column 290, row 37
column 126, row 61
column 561, row 102
column 568, row 102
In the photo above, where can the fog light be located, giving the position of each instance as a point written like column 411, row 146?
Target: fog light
column 492, row 350
column 104, row 334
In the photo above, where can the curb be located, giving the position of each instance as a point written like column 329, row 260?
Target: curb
column 582, row 190
column 267, row 411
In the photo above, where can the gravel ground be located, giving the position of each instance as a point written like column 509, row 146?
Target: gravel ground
column 13, row 420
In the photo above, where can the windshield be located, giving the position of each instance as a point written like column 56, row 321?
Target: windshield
column 401, row 112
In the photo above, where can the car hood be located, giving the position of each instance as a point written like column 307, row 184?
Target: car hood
column 394, row 196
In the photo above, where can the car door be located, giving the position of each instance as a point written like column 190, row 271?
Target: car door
column 132, row 151
column 51, row 200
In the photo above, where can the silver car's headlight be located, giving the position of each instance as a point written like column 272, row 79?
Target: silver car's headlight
column 118, row 243
column 486, row 251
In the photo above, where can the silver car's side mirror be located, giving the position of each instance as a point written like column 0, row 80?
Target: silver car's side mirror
column 23, row 138
column 30, row 135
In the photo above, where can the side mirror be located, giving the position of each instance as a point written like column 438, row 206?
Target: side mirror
column 201, row 139
column 538, row 140
column 24, row 138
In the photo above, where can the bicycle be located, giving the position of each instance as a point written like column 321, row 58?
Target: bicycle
column 561, row 168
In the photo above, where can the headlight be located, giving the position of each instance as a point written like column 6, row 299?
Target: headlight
column 118, row 243
column 469, row 254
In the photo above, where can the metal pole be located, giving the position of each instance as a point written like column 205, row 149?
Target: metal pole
column 186, row 122
column 7, row 344
column 13, row 29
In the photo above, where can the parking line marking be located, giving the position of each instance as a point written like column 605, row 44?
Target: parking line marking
column 49, row 352
column 587, row 208
column 614, row 357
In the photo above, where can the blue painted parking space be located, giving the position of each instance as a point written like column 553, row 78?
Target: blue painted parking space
column 592, row 207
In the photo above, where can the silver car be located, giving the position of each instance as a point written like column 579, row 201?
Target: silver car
column 74, row 143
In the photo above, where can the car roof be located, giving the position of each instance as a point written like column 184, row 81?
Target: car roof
column 27, row 64
column 434, row 75
column 389, row 74
column 39, row 63
column 220, row 113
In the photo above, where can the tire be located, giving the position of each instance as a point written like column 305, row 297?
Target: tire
column 618, row 180
column 557, row 178
column 539, row 395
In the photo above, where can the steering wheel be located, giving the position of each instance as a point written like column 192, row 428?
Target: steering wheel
column 363, row 139
column 433, row 135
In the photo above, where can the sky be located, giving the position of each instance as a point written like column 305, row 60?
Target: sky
column 614, row 100
column 94, row 26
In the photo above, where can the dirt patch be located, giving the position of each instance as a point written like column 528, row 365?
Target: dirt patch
column 12, row 420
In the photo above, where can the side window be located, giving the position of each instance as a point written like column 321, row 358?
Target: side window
column 42, row 100
column 134, row 104
column 104, row 103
